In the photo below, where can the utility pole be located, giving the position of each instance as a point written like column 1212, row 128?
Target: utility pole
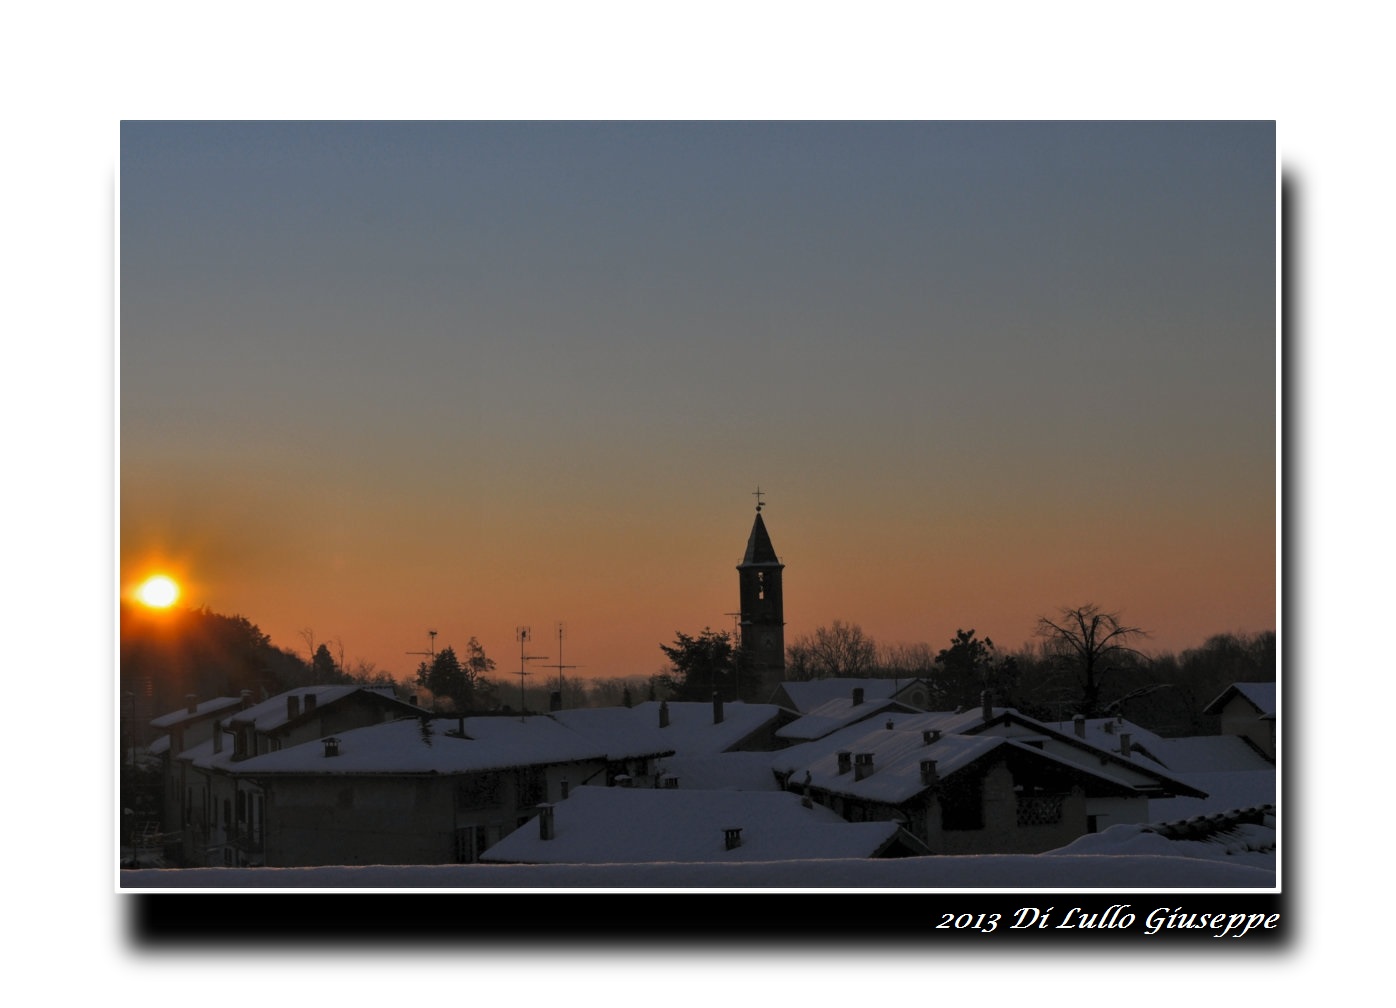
column 523, row 635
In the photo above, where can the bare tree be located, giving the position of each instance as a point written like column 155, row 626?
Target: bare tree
column 1092, row 645
column 840, row 650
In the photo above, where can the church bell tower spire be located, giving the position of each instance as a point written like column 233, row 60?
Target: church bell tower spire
column 762, row 606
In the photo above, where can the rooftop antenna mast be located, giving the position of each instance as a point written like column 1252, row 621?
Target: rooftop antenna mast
column 559, row 666
column 430, row 654
column 523, row 635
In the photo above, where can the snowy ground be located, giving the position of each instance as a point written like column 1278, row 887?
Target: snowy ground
column 1121, row 858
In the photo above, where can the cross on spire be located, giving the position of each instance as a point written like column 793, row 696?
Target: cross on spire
column 758, row 495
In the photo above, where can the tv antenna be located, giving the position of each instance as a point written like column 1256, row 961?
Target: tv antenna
column 430, row 654
column 561, row 627
column 523, row 635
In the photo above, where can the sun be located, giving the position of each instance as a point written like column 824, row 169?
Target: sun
column 158, row 592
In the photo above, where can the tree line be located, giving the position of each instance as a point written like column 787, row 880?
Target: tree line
column 1084, row 660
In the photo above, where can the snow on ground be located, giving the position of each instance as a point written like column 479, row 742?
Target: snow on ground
column 1117, row 872
column 1121, row 858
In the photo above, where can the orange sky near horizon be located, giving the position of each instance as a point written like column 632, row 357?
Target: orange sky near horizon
column 383, row 378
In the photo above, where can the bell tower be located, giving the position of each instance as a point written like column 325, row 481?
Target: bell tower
column 762, row 608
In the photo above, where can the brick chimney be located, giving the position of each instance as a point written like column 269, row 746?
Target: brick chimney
column 331, row 746
column 845, row 762
column 293, row 707
column 987, row 701
column 217, row 737
column 1124, row 743
column 309, row 702
column 545, row 822
column 929, row 775
column 664, row 713
column 857, row 695
column 862, row 765
column 717, row 708
column 732, row 836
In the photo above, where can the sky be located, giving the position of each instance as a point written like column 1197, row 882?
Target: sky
column 381, row 378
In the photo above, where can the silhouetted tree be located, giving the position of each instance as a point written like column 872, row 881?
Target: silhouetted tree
column 969, row 667
column 701, row 666
column 1092, row 646
column 322, row 666
column 835, row 651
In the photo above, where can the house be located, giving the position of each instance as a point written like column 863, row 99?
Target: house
column 182, row 730
column 985, row 781
column 421, row 790
column 218, row 820
column 1248, row 710
column 839, row 712
column 719, row 745
column 598, row 825
column 804, row 696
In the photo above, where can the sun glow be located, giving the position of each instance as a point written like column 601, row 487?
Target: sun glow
column 158, row 592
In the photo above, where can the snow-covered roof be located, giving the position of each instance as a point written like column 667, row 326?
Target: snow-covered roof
column 597, row 825
column 733, row 771
column 1224, row 789
column 432, row 745
column 1261, row 695
column 1105, row 733
column 836, row 714
column 966, row 736
column 204, row 709
column 807, row 695
column 272, row 714
column 691, row 730
column 1209, row 754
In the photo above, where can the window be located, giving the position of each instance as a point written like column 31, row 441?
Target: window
column 962, row 805
column 466, row 844
column 479, row 791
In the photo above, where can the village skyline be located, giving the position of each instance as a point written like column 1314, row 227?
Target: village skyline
column 383, row 379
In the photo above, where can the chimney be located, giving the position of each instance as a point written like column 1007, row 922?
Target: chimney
column 928, row 772
column 930, row 735
column 1124, row 743
column 890, row 724
column 555, row 701
column 412, row 699
column 460, row 725
column 217, row 737
column 293, row 707
column 1079, row 721
column 671, row 781
column 857, row 695
column 246, row 699
column 733, row 837
column 309, row 702
column 862, row 765
column 193, row 703
column 717, row 708
column 545, row 822
column 845, row 762
column 331, row 746
column 563, row 788
column 664, row 713
column 986, row 699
